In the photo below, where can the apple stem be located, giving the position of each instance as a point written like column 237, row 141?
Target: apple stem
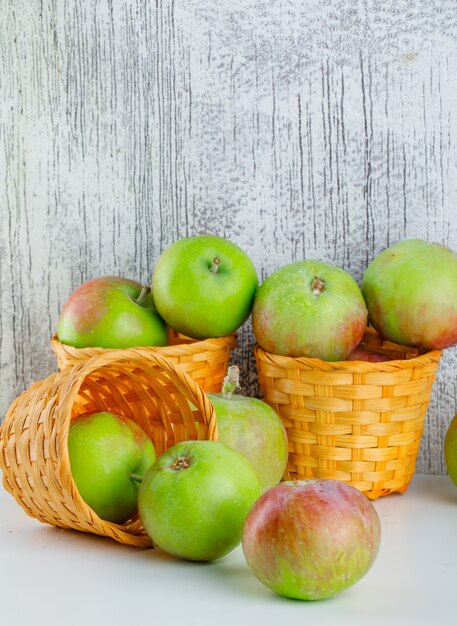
column 181, row 463
column 231, row 381
column 215, row 263
column 144, row 294
column 136, row 477
column 318, row 285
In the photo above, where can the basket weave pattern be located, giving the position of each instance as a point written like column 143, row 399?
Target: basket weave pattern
column 167, row 403
column 358, row 422
column 205, row 361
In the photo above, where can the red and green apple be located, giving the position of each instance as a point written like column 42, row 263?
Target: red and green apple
column 111, row 312
column 311, row 539
column 109, row 455
column 193, row 501
column 310, row 309
column 253, row 428
column 411, row 294
column 204, row 286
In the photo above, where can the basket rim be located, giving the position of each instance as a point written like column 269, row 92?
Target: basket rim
column 76, row 378
column 306, row 363
column 197, row 345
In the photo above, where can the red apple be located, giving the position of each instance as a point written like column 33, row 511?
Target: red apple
column 411, row 294
column 111, row 312
column 309, row 309
column 311, row 539
column 362, row 354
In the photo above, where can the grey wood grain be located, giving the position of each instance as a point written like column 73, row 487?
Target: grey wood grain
column 295, row 128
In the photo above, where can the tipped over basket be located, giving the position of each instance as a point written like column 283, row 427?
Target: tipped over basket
column 205, row 361
column 355, row 421
column 138, row 384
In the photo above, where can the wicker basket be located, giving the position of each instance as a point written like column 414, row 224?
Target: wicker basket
column 205, row 361
column 139, row 384
column 358, row 422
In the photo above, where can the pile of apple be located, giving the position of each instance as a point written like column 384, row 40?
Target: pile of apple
column 200, row 499
column 303, row 539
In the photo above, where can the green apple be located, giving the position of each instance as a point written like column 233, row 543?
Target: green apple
column 450, row 450
column 111, row 312
column 204, row 286
column 194, row 499
column 253, row 428
column 109, row 455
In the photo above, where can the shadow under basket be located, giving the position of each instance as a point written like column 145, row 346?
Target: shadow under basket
column 354, row 421
column 205, row 361
column 138, row 384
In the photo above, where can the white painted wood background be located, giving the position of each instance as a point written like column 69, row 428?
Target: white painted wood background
column 296, row 128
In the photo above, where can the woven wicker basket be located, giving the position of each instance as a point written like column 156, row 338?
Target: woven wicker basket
column 167, row 403
column 205, row 361
column 358, row 422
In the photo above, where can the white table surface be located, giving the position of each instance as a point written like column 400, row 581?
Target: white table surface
column 50, row 576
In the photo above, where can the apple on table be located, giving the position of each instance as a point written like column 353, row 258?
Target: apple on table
column 253, row 428
column 194, row 500
column 450, row 450
column 311, row 539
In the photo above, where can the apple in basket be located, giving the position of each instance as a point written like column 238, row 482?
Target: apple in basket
column 204, row 286
column 411, row 293
column 309, row 309
column 362, row 354
column 194, row 500
column 111, row 312
column 253, row 428
column 311, row 539
column 109, row 455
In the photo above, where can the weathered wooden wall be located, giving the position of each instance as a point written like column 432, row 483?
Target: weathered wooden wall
column 296, row 128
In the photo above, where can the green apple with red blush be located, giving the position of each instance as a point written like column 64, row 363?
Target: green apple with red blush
column 204, row 286
column 111, row 312
column 411, row 294
column 311, row 309
column 109, row 455
column 253, row 428
column 195, row 498
column 311, row 539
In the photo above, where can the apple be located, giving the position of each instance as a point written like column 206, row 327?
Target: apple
column 310, row 309
column 111, row 312
column 311, row 539
column 109, row 454
column 204, row 286
column 253, row 428
column 362, row 354
column 411, row 294
column 450, row 450
column 193, row 501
